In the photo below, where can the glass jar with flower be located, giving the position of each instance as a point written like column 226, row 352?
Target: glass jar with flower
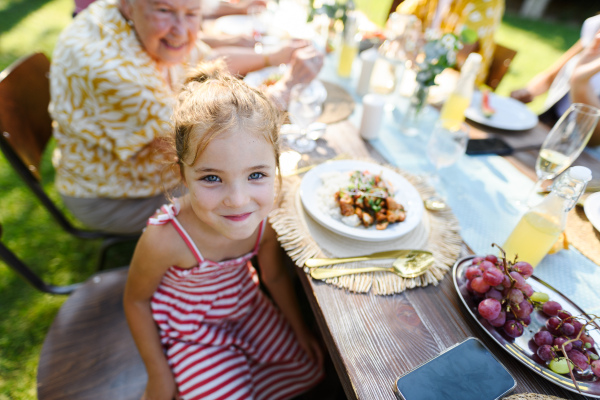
column 438, row 54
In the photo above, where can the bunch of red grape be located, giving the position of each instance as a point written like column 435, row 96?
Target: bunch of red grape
column 566, row 336
column 506, row 301
column 504, row 292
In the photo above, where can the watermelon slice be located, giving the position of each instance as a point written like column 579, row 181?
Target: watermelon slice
column 486, row 109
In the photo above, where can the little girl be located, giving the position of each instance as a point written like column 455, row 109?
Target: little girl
column 219, row 336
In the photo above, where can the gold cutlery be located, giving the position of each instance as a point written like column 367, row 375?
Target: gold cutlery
column 435, row 203
column 320, row 262
column 415, row 263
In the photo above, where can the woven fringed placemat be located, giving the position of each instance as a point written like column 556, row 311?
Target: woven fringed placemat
column 532, row 396
column 338, row 105
column 303, row 238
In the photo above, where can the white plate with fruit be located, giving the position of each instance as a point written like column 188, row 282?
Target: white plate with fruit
column 500, row 112
column 541, row 308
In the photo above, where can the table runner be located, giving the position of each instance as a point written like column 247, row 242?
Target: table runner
column 303, row 238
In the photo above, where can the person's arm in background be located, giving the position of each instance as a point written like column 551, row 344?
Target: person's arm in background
column 540, row 83
column 581, row 88
column 241, row 60
column 228, row 8
column 227, row 41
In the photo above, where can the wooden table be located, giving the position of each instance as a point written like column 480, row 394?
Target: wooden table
column 374, row 339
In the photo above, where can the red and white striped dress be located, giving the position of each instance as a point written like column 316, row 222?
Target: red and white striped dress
column 223, row 337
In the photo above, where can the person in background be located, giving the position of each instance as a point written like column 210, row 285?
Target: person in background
column 114, row 77
column 202, row 325
column 584, row 81
column 482, row 16
column 213, row 8
column 557, row 80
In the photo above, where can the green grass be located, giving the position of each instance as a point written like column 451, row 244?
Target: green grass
column 26, row 314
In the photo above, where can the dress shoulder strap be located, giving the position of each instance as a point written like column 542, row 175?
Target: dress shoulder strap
column 169, row 214
column 261, row 230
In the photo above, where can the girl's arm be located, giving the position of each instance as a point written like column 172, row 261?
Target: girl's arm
column 147, row 269
column 277, row 280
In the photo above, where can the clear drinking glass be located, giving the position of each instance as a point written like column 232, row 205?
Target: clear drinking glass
column 305, row 106
column 564, row 143
column 445, row 147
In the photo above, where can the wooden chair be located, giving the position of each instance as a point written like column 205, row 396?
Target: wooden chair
column 26, row 128
column 88, row 353
column 501, row 60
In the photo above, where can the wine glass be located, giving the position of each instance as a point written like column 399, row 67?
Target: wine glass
column 564, row 143
column 445, row 147
column 306, row 105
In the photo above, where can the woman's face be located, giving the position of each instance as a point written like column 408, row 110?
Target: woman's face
column 166, row 28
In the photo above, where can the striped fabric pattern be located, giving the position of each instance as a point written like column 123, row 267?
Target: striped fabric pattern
column 223, row 337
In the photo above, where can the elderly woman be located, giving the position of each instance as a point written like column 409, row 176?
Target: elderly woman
column 115, row 73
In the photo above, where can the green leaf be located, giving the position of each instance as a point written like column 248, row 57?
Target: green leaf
column 468, row 36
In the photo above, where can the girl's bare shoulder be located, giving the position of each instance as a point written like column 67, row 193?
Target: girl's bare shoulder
column 161, row 244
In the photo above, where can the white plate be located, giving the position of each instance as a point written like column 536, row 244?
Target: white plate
column 591, row 206
column 235, row 25
column 405, row 194
column 510, row 114
column 256, row 78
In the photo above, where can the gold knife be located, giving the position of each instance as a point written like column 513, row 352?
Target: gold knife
column 320, row 262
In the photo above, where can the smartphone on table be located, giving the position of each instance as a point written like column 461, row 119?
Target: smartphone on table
column 489, row 146
column 466, row 371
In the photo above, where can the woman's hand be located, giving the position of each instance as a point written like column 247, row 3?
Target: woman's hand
column 305, row 65
column 284, row 54
column 523, row 95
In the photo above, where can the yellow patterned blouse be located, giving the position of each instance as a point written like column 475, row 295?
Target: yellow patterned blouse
column 109, row 101
column 483, row 16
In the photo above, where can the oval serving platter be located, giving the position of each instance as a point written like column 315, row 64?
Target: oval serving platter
column 522, row 348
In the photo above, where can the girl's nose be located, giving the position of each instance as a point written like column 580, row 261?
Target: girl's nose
column 236, row 197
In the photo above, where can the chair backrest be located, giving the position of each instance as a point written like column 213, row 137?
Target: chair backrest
column 28, row 274
column 501, row 60
column 25, row 123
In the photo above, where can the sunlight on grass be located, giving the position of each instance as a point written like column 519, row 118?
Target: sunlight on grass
column 36, row 32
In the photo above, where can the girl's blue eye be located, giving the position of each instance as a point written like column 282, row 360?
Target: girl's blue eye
column 256, row 175
column 211, row 178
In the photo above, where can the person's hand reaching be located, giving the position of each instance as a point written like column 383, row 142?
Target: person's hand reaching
column 305, row 65
column 523, row 95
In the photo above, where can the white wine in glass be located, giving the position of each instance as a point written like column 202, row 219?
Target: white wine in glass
column 565, row 142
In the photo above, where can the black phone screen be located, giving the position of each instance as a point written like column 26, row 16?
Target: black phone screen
column 488, row 146
column 467, row 371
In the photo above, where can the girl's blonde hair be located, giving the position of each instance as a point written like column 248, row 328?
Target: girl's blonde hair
column 213, row 102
